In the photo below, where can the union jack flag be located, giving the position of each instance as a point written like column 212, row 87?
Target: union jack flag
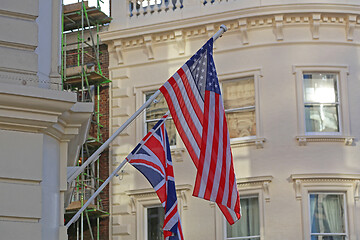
column 152, row 157
column 194, row 99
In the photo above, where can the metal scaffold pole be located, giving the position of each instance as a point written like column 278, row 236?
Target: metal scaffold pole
column 81, row 72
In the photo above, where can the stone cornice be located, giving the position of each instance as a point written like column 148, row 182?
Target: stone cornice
column 41, row 110
column 213, row 17
column 143, row 193
column 325, row 177
column 333, row 180
column 70, row 122
column 149, row 37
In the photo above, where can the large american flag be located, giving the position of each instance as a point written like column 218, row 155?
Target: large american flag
column 194, row 99
column 152, row 157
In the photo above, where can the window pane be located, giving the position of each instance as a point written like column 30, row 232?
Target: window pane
column 241, row 123
column 170, row 128
column 328, row 237
column 320, row 88
column 327, row 214
column 249, row 225
column 155, row 222
column 157, row 109
column 239, row 93
column 321, row 118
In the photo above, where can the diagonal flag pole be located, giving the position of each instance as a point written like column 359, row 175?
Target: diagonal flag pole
column 97, row 153
column 113, row 174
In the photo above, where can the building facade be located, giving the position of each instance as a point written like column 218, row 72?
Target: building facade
column 289, row 75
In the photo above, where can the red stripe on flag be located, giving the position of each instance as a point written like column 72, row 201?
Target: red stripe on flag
column 231, row 183
column 156, row 147
column 179, row 127
column 185, row 111
column 220, row 195
column 200, row 167
column 214, row 153
column 192, row 98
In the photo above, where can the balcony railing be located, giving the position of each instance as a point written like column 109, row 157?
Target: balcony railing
column 142, row 7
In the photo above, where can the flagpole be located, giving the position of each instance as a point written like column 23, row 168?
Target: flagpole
column 97, row 153
column 76, row 216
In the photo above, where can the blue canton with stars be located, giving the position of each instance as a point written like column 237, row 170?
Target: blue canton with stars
column 202, row 68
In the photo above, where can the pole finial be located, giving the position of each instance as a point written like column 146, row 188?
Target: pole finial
column 223, row 27
column 218, row 34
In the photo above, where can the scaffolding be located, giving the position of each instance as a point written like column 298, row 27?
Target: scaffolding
column 85, row 77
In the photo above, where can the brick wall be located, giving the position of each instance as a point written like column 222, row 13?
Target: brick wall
column 72, row 60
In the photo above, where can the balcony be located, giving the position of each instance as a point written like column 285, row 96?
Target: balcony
column 164, row 13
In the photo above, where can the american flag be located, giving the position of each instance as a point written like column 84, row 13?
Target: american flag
column 152, row 157
column 194, row 99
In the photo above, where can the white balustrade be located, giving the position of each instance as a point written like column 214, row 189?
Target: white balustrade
column 143, row 7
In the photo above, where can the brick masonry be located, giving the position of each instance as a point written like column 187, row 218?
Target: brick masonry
column 72, row 60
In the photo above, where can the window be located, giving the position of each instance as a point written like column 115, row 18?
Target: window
column 146, row 206
column 249, row 226
column 321, row 102
column 155, row 221
column 327, row 216
column 329, row 204
column 254, row 192
column 239, row 104
column 153, row 114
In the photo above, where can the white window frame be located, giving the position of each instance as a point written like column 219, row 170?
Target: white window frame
column 343, row 110
column 145, row 130
column 258, row 140
column 348, row 184
column 140, row 94
column 145, row 219
column 345, row 215
column 141, row 199
column 243, row 196
column 252, row 186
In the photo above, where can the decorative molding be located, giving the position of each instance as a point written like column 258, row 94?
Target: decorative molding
column 258, row 142
column 149, row 46
column 261, row 182
column 184, row 199
column 279, row 27
column 140, row 195
column 243, row 31
column 118, row 45
column 180, row 41
column 357, row 190
column 335, row 179
column 350, row 27
column 210, row 29
column 132, row 204
column 316, row 17
column 266, row 191
column 347, row 140
column 298, row 189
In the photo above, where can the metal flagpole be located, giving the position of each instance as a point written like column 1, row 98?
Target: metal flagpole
column 76, row 216
column 96, row 154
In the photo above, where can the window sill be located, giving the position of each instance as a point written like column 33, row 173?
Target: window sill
column 347, row 140
column 239, row 142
